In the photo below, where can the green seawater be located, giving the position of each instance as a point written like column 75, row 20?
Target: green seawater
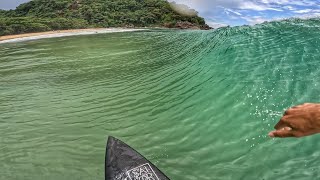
column 198, row 104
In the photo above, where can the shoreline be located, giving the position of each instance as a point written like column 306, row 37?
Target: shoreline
column 61, row 33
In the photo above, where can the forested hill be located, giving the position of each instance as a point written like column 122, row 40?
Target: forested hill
column 45, row 15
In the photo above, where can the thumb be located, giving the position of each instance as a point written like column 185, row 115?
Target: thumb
column 282, row 133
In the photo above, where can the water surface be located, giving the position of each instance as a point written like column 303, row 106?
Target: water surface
column 198, row 104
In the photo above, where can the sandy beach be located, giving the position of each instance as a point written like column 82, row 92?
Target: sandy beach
column 61, row 33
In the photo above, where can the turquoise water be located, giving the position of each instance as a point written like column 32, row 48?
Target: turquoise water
column 198, row 104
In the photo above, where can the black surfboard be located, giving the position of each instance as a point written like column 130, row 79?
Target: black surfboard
column 124, row 163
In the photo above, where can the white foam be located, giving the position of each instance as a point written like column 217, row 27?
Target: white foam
column 64, row 34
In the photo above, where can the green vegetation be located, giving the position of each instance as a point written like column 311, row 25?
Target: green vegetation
column 45, row 15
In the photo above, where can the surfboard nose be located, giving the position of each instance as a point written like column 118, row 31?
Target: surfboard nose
column 122, row 162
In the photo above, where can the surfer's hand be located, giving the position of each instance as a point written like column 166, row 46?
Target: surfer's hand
column 298, row 121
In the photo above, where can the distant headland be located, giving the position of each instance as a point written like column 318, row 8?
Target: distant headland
column 53, row 15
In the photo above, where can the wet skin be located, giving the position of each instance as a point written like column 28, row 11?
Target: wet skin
column 298, row 121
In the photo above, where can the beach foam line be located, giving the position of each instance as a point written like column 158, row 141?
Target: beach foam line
column 62, row 33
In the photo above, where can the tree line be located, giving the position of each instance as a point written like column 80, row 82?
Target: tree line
column 46, row 15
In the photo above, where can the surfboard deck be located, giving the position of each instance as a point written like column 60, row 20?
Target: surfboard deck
column 124, row 163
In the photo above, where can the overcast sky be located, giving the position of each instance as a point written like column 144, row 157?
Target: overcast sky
column 10, row 4
column 236, row 12
column 239, row 12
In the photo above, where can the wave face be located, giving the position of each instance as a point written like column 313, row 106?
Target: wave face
column 198, row 104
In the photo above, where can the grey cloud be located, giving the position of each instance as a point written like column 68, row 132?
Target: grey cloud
column 258, row 5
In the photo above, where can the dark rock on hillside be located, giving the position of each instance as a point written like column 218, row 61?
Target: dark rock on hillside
column 187, row 25
column 205, row 27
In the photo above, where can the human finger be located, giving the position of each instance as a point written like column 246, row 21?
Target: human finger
column 283, row 133
column 284, row 122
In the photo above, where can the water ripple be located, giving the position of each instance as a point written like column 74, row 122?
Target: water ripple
column 196, row 103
